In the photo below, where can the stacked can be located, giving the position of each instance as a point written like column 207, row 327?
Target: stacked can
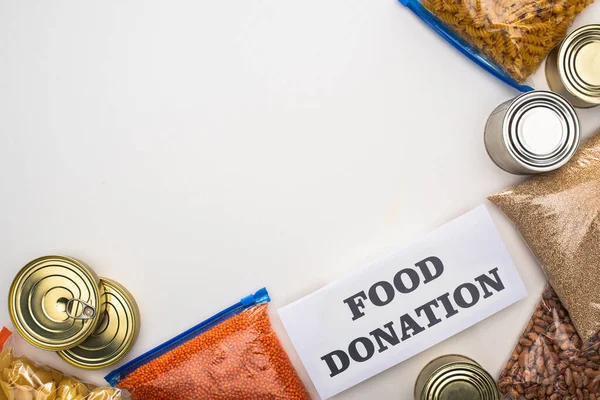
column 573, row 67
column 58, row 303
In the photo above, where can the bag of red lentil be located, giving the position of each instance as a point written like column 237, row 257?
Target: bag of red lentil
column 233, row 355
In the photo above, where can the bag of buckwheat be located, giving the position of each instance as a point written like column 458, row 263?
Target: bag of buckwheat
column 558, row 215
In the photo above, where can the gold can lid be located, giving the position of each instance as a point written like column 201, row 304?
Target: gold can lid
column 579, row 63
column 115, row 335
column 54, row 302
column 460, row 381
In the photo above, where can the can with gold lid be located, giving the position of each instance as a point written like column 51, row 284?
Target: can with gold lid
column 455, row 377
column 55, row 302
column 573, row 67
column 115, row 335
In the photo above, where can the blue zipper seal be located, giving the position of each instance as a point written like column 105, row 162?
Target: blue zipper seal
column 260, row 297
column 462, row 45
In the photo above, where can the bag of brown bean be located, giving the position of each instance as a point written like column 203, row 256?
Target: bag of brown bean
column 550, row 362
column 558, row 215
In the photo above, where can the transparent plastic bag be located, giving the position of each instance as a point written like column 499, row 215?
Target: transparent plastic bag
column 233, row 355
column 558, row 215
column 508, row 38
column 550, row 362
column 22, row 379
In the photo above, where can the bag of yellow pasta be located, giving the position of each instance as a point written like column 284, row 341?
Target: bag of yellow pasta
column 508, row 38
column 21, row 379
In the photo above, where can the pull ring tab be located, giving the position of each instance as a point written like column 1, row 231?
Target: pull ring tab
column 88, row 312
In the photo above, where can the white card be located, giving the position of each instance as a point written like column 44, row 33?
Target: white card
column 437, row 286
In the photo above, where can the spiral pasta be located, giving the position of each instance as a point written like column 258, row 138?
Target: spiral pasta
column 515, row 34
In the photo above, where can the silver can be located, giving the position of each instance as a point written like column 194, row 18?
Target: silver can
column 573, row 67
column 455, row 377
column 533, row 133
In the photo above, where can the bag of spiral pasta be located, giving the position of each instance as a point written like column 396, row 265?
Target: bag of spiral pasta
column 508, row 38
column 23, row 379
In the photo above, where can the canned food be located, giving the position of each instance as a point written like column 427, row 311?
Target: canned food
column 114, row 336
column 535, row 132
column 455, row 377
column 55, row 302
column 573, row 67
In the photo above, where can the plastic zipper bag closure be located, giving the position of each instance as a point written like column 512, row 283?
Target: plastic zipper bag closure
column 507, row 39
column 20, row 378
column 232, row 355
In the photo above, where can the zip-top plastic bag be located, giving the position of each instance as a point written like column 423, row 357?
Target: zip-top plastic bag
column 233, row 355
column 550, row 361
column 21, row 379
column 558, row 215
column 508, row 38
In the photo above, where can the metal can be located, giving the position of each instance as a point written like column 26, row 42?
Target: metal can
column 573, row 67
column 55, row 302
column 455, row 377
column 115, row 335
column 533, row 133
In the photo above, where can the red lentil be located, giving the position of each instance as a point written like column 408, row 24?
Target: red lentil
column 241, row 358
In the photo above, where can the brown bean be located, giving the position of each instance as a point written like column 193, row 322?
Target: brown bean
column 577, row 379
column 540, row 322
column 539, row 363
column 529, row 326
column 504, row 382
column 525, row 342
column 568, row 377
column 569, row 328
column 549, row 362
column 532, row 336
column 523, row 358
column 591, row 373
column 539, row 330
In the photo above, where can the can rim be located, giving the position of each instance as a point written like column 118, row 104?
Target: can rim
column 549, row 100
column 426, row 366
column 12, row 301
column 567, row 54
column 136, row 317
column 446, row 374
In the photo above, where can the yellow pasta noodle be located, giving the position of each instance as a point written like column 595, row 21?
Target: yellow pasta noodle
column 515, row 34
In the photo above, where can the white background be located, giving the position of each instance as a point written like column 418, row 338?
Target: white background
column 198, row 150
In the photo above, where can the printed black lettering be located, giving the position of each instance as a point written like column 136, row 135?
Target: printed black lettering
column 334, row 367
column 428, row 309
column 445, row 300
column 399, row 283
column 356, row 304
column 459, row 298
column 390, row 337
column 374, row 293
column 437, row 265
column 408, row 323
column 368, row 347
column 485, row 281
